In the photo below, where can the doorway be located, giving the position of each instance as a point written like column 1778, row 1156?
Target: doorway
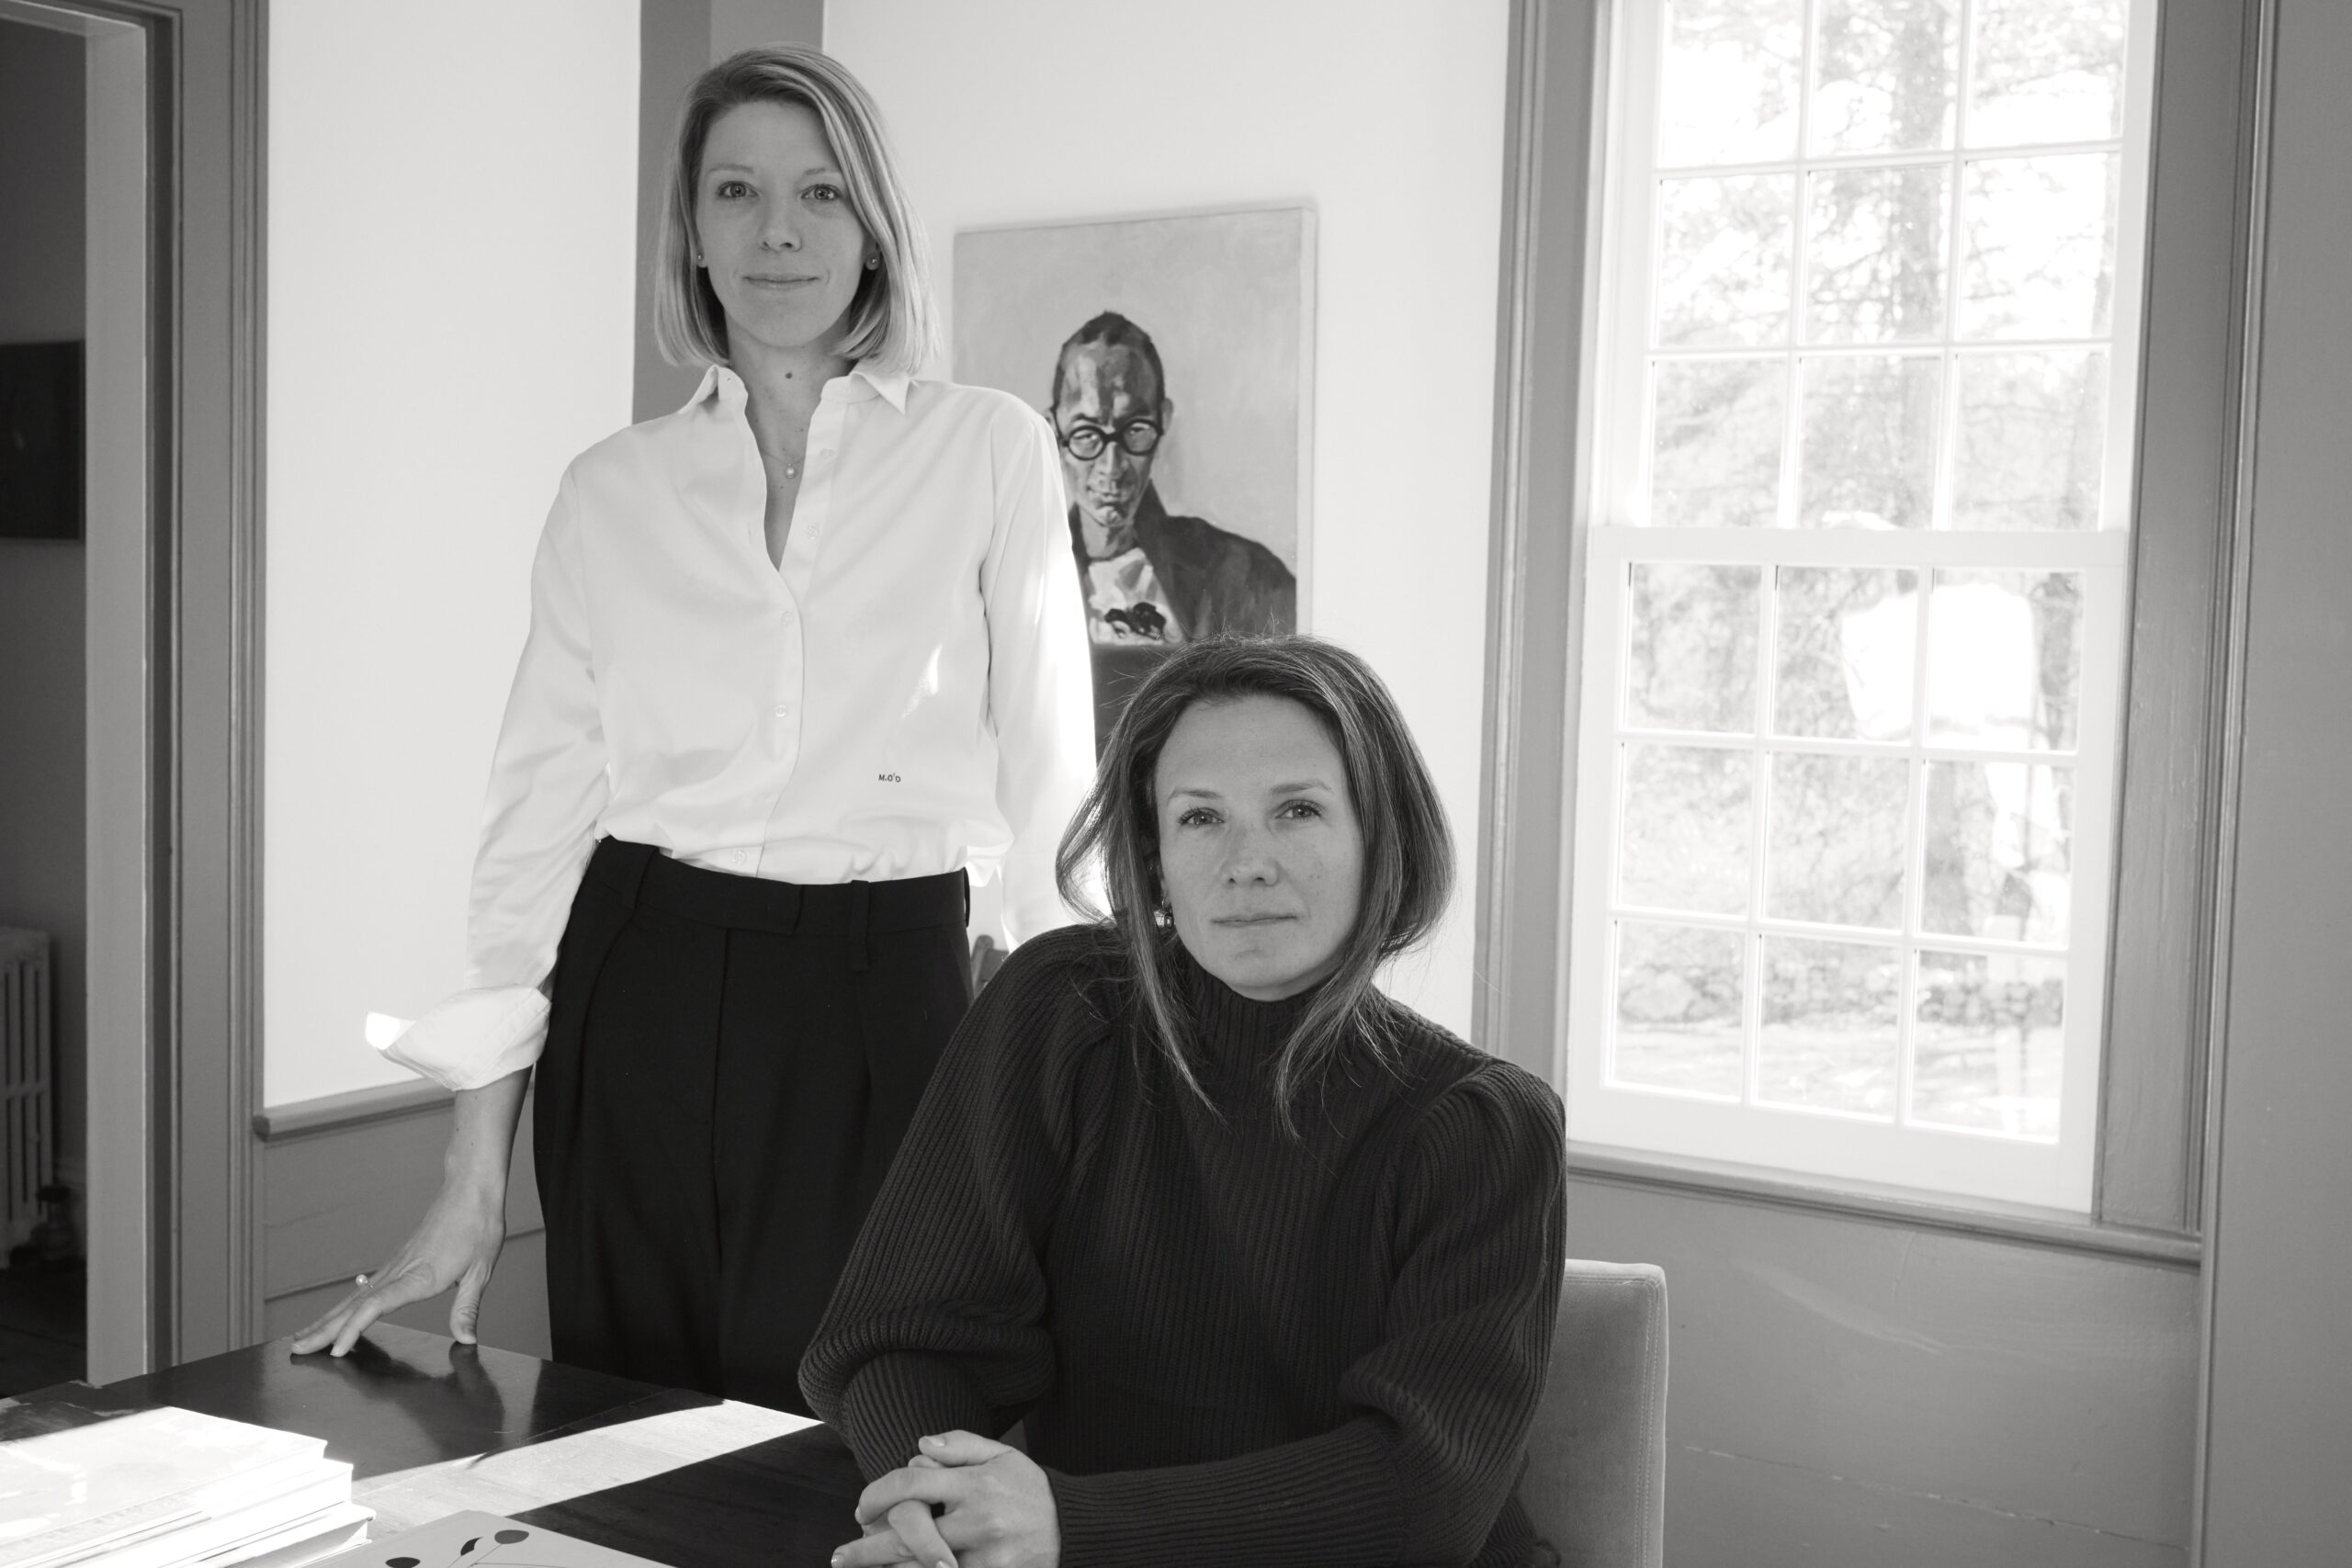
column 72, row 351
column 42, row 904
column 150, row 1119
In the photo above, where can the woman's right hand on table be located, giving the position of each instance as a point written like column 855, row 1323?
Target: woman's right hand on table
column 457, row 1243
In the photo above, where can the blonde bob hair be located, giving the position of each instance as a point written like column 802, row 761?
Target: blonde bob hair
column 891, row 320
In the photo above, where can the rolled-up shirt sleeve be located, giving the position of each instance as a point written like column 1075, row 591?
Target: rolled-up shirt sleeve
column 548, row 787
column 1041, row 700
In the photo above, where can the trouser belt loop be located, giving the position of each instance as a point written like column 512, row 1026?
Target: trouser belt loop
column 636, row 860
column 861, row 952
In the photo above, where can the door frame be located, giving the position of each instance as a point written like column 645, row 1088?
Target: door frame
column 174, row 684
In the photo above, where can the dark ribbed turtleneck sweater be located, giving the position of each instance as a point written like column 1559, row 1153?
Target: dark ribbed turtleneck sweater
column 1229, row 1347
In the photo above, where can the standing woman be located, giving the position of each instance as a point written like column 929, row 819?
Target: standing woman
column 801, row 654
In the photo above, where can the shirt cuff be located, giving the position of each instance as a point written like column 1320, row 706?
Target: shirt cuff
column 475, row 1037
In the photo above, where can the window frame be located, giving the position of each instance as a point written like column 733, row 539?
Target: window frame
column 2184, row 619
column 1950, row 1162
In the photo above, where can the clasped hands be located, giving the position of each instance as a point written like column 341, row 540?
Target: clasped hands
column 995, row 1510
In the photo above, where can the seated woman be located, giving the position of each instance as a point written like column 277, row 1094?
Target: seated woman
column 1266, row 1262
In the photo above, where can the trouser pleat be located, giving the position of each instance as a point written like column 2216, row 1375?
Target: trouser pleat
column 715, row 1112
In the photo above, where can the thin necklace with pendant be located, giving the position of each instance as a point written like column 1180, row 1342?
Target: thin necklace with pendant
column 791, row 467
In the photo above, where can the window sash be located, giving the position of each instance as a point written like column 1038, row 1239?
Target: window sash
column 1628, row 234
column 2058, row 1173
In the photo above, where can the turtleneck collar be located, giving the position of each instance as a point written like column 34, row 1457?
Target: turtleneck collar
column 1232, row 1028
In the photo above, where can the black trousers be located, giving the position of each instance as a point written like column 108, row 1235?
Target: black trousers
column 730, row 1066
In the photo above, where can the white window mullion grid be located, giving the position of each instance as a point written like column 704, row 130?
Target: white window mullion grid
column 1760, row 820
column 1999, row 1166
column 2053, row 1173
column 1792, row 369
column 2131, row 267
column 1915, row 815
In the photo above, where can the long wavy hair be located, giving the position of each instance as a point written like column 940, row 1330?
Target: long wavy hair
column 1408, row 849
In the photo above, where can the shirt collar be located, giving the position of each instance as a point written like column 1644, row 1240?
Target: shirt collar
column 891, row 385
column 716, row 380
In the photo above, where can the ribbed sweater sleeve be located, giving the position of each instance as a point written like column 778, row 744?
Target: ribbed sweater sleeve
column 1421, row 1473
column 935, row 1324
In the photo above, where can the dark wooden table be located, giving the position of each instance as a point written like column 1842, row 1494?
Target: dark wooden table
column 433, row 1427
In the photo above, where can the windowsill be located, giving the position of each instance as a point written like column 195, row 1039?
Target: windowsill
column 1886, row 1205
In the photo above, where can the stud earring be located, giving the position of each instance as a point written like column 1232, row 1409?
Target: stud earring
column 873, row 262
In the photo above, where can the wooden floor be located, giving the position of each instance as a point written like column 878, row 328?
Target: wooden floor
column 41, row 1324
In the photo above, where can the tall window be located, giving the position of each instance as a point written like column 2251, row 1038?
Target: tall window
column 1856, row 585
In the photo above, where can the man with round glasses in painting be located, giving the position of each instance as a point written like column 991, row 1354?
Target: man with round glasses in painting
column 1153, row 580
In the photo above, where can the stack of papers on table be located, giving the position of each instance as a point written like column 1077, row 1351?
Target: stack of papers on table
column 166, row 1489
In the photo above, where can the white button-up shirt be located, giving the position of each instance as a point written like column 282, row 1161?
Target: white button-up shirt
column 907, row 695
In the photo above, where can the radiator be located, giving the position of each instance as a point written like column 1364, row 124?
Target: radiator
column 27, row 1156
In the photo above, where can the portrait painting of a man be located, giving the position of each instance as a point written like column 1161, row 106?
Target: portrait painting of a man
column 1186, row 513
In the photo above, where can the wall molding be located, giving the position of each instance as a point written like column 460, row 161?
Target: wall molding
column 2028, row 1226
column 1542, row 321
column 2259, row 74
column 2171, row 803
column 210, row 99
column 353, row 1108
column 247, row 632
column 346, row 1179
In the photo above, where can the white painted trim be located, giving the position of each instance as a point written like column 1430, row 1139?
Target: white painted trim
column 120, row 662
column 1859, row 547
column 2133, row 183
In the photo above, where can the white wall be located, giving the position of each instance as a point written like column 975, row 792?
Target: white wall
column 1385, row 114
column 451, row 207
